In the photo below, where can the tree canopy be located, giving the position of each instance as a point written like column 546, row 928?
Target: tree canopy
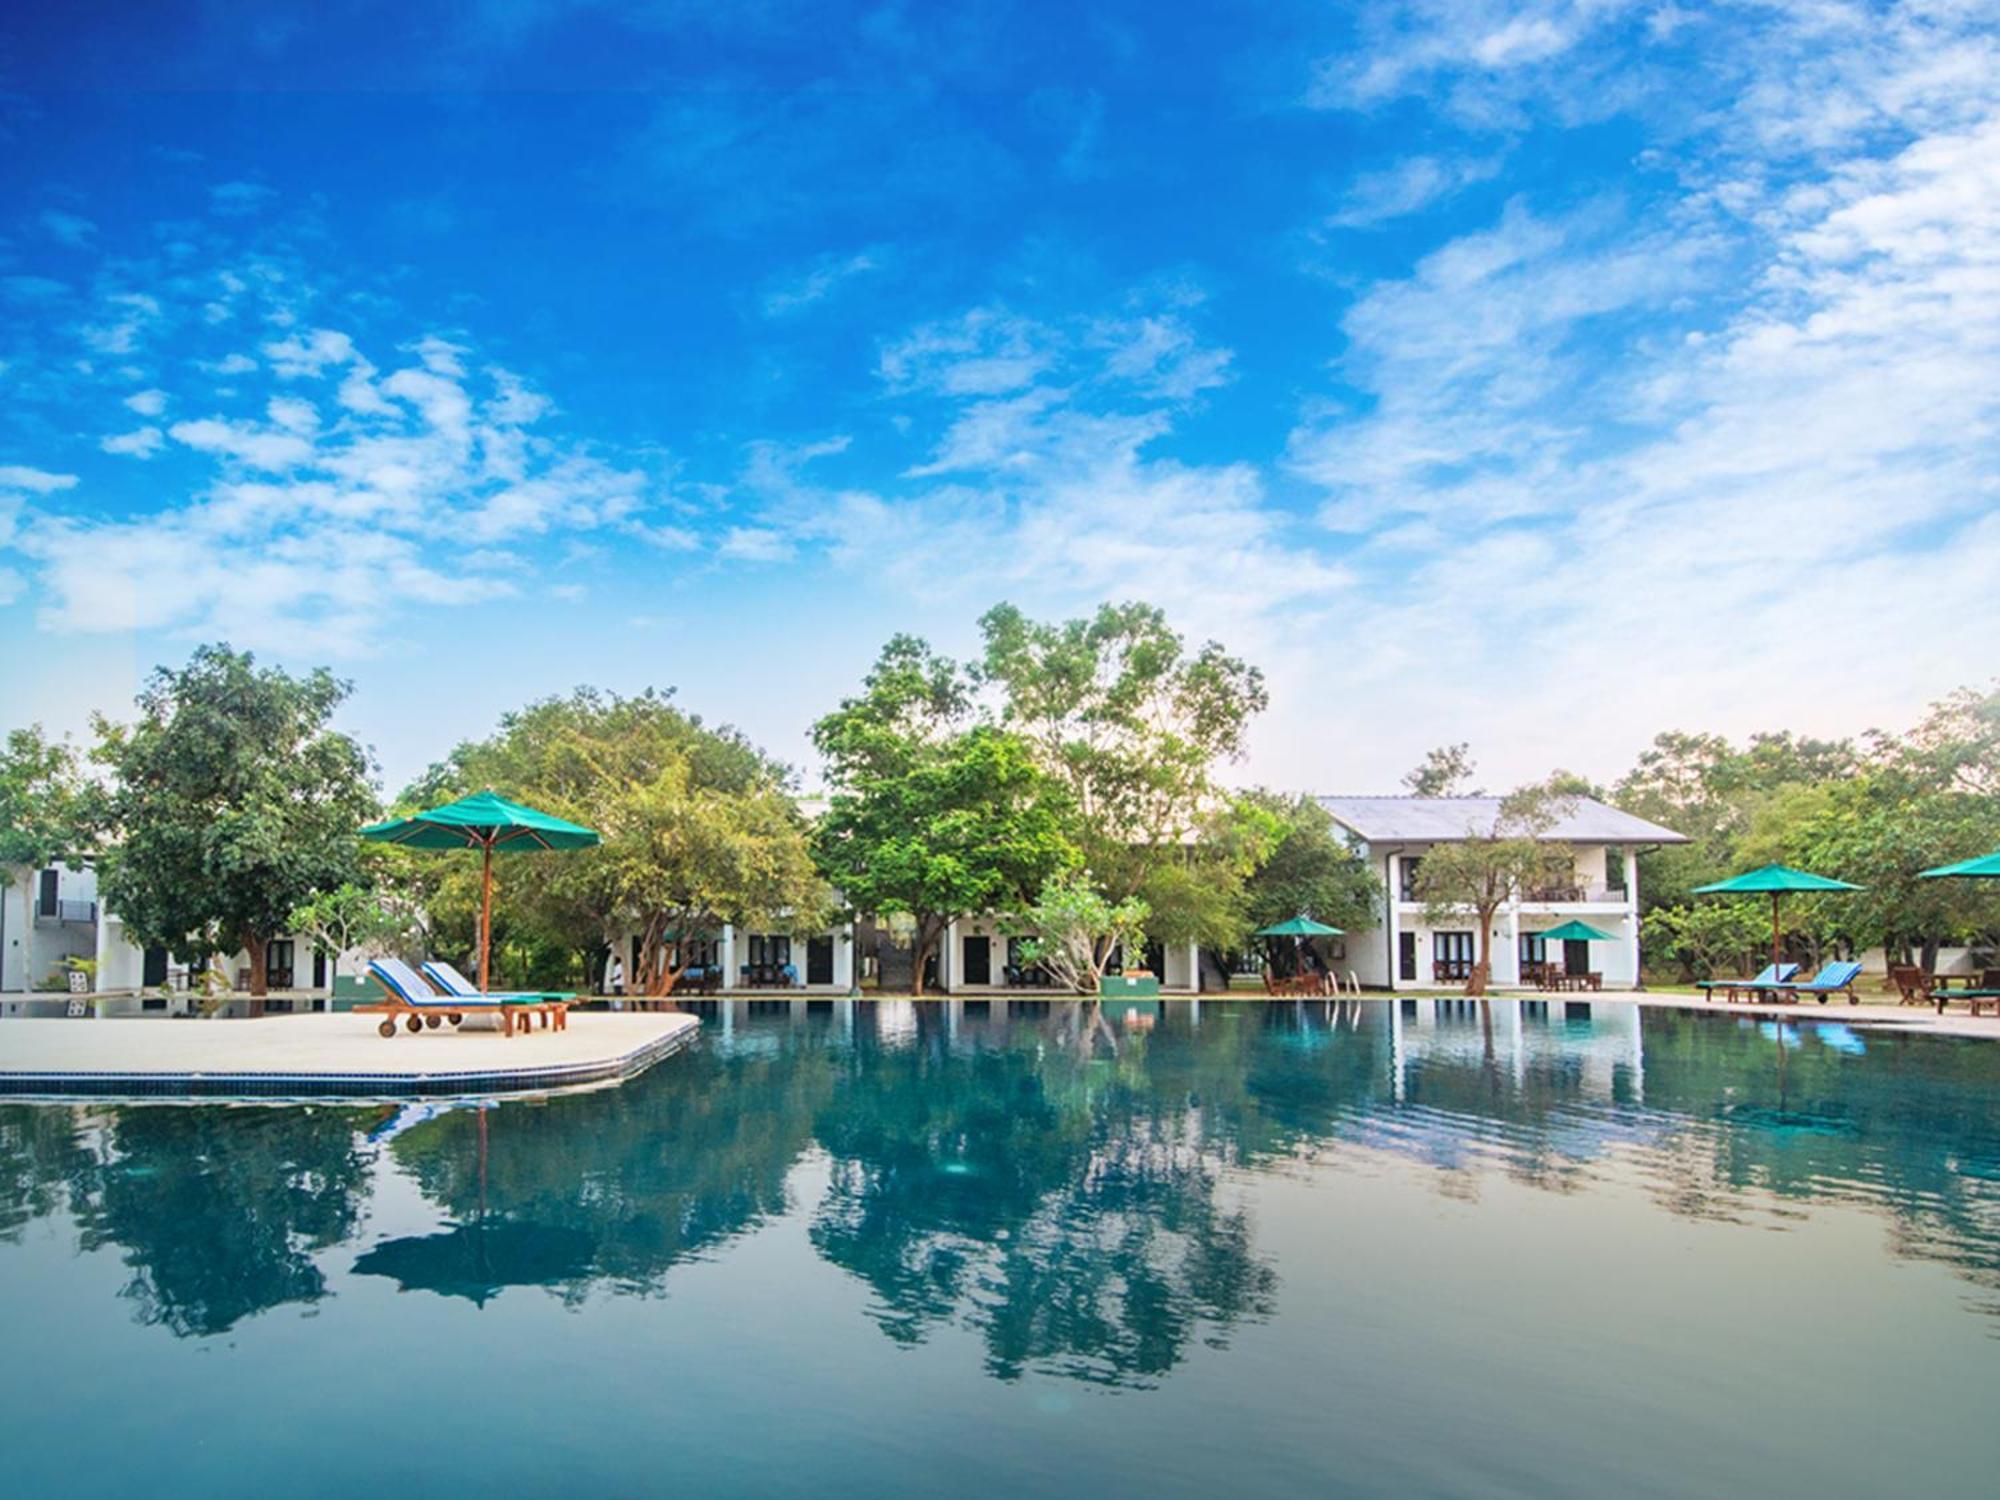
column 231, row 803
column 934, row 816
column 1493, row 864
column 699, row 829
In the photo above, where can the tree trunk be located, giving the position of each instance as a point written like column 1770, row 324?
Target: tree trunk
column 1930, row 953
column 925, row 939
column 260, row 976
column 1482, row 967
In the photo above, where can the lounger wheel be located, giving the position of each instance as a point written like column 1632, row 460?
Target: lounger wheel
column 455, row 1019
column 433, row 1022
column 416, row 1024
column 387, row 1028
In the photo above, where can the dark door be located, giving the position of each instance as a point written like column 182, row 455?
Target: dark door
column 47, row 903
column 978, row 960
column 1406, row 955
column 1576, row 956
column 319, row 968
column 153, row 967
column 819, row 960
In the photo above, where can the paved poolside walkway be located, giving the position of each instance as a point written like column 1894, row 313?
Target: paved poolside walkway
column 335, row 1055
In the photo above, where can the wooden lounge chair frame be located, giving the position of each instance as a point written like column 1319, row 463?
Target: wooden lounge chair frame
column 1814, row 987
column 522, row 1005
column 395, row 1007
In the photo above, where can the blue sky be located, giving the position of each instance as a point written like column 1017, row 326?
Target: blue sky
column 1543, row 375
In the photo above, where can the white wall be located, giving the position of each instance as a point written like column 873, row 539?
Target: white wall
column 35, row 945
column 1372, row 955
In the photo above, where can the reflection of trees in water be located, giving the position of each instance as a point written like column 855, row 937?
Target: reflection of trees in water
column 612, row 1187
column 1041, row 1194
column 1054, row 1185
column 41, row 1150
column 218, row 1211
column 1913, row 1131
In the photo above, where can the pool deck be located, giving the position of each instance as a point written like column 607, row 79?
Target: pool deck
column 323, row 1056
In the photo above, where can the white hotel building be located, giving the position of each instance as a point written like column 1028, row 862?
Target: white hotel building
column 1407, row 952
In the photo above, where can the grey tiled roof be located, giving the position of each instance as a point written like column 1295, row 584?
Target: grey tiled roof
column 1436, row 820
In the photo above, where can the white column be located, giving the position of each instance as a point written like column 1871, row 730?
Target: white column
column 843, row 957
column 728, row 956
column 1632, row 912
column 947, row 953
column 1395, row 874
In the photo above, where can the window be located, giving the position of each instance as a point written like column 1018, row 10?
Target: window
column 46, row 903
column 1411, row 862
column 1451, row 955
column 1534, row 949
column 1406, row 955
column 1614, row 870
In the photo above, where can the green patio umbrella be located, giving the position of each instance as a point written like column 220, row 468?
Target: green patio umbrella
column 1986, row 867
column 484, row 821
column 1573, row 932
column 1775, row 881
column 1298, row 927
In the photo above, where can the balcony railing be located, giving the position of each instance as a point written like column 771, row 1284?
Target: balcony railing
column 84, row 912
column 1550, row 895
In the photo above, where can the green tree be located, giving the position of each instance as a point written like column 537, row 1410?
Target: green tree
column 700, row 829
column 1443, row 772
column 1133, row 725
column 1310, row 870
column 933, row 817
column 1705, row 939
column 1073, row 931
column 352, row 916
column 1492, row 864
column 231, row 804
column 41, row 819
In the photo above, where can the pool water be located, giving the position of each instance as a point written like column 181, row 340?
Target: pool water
column 1412, row 1249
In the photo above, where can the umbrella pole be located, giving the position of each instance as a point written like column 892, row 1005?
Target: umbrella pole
column 1777, row 942
column 485, row 918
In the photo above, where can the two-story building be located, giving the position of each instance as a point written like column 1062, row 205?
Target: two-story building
column 47, row 917
column 1407, row 951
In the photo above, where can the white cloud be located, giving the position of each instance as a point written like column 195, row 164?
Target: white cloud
column 257, row 447
column 34, row 481
column 142, row 442
column 1731, row 455
column 235, row 199
column 147, row 403
column 796, row 293
column 984, row 352
column 68, row 229
column 755, row 544
column 1412, row 184
column 127, row 316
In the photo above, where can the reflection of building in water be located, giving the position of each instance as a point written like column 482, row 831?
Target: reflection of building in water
column 1597, row 1044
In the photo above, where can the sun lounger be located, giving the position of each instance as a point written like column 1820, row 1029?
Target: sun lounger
column 551, row 1005
column 409, row 999
column 1832, row 979
column 1976, row 1000
column 1772, row 974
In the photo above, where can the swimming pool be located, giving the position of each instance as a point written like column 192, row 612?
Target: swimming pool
column 1424, row 1248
